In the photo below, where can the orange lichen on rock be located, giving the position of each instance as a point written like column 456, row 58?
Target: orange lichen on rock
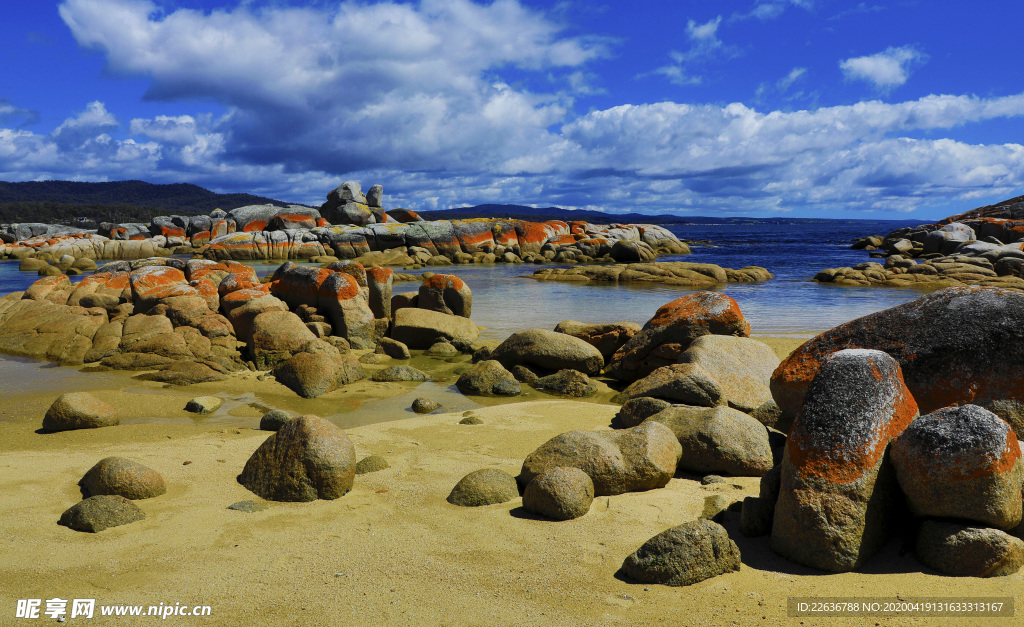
column 441, row 281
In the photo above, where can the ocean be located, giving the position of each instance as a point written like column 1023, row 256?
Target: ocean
column 506, row 300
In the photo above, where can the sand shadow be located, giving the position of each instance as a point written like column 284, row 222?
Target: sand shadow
column 523, row 514
column 892, row 559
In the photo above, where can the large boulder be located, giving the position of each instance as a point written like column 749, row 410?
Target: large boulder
column 97, row 513
column 671, row 331
column 310, row 374
column 684, row 555
column 379, row 283
column 548, row 350
column 629, row 460
column 957, row 345
column 742, row 367
column 277, row 336
column 718, row 440
column 606, row 338
column 347, row 310
column 79, row 410
column 420, row 328
column 308, row 458
column 953, row 548
column 123, row 477
column 839, row 496
column 961, row 462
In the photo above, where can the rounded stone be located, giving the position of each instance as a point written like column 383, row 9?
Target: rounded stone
column 484, row 487
column 79, row 410
column 97, row 513
column 274, row 419
column 425, row 405
column 123, row 477
column 371, row 463
column 684, row 555
column 562, row 493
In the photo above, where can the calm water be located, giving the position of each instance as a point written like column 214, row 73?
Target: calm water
column 505, row 301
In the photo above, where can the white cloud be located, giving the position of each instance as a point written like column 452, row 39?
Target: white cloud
column 887, row 69
column 705, row 32
column 787, row 81
column 704, row 45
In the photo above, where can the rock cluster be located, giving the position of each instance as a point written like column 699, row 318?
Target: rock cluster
column 679, row 273
column 349, row 225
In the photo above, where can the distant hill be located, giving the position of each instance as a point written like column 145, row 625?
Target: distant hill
column 174, row 198
column 521, row 212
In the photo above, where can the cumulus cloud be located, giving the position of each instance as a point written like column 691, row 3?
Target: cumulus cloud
column 430, row 99
column 887, row 69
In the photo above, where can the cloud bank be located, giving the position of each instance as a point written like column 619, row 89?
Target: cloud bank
column 434, row 100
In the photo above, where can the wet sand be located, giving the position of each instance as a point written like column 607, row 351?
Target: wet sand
column 392, row 551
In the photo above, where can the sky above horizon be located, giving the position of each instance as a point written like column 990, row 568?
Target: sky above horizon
column 798, row 108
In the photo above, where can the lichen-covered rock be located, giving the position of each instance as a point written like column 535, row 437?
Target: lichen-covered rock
column 548, row 350
column 719, row 439
column 379, row 283
column 838, row 492
column 123, row 477
column 953, row 548
column 307, row 459
column 97, row 513
column 560, row 494
column 488, row 378
column 957, row 345
column 79, row 410
column 671, row 331
column 684, row 555
column 487, row 486
column 276, row 336
column 686, row 384
column 347, row 311
column 961, row 462
column 446, row 293
column 628, row 460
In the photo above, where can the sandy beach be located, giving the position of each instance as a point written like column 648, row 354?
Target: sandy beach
column 392, row 551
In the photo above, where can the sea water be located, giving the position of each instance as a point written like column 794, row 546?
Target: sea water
column 506, row 299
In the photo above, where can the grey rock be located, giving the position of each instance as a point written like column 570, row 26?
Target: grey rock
column 567, row 382
column 399, row 373
column 425, row 406
column 247, row 506
column 393, row 348
column 122, row 477
column 560, row 494
column 548, row 350
column 953, row 548
column 484, row 487
column 687, row 384
column 274, row 419
column 741, row 367
column 204, row 404
column 718, row 439
column 97, row 513
column 684, row 555
column 636, row 410
column 372, row 463
column 488, row 378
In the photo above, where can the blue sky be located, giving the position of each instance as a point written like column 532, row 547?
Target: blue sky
column 803, row 108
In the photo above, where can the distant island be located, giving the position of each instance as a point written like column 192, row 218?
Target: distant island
column 88, row 204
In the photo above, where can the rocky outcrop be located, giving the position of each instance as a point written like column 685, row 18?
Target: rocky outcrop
column 957, row 345
column 679, row 273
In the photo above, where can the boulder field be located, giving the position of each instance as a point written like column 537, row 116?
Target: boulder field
column 349, row 225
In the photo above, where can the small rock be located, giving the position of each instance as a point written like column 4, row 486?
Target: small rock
column 97, row 513
column 484, row 487
column 567, row 382
column 488, row 378
column 394, row 348
column 636, row 410
column 374, row 358
column 684, row 555
column 471, row 420
column 709, row 479
column 399, row 373
column 249, row 507
column 274, row 419
column 442, row 349
column 372, row 463
column 204, row 404
column 425, row 405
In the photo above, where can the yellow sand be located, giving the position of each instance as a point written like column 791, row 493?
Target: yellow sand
column 392, row 551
